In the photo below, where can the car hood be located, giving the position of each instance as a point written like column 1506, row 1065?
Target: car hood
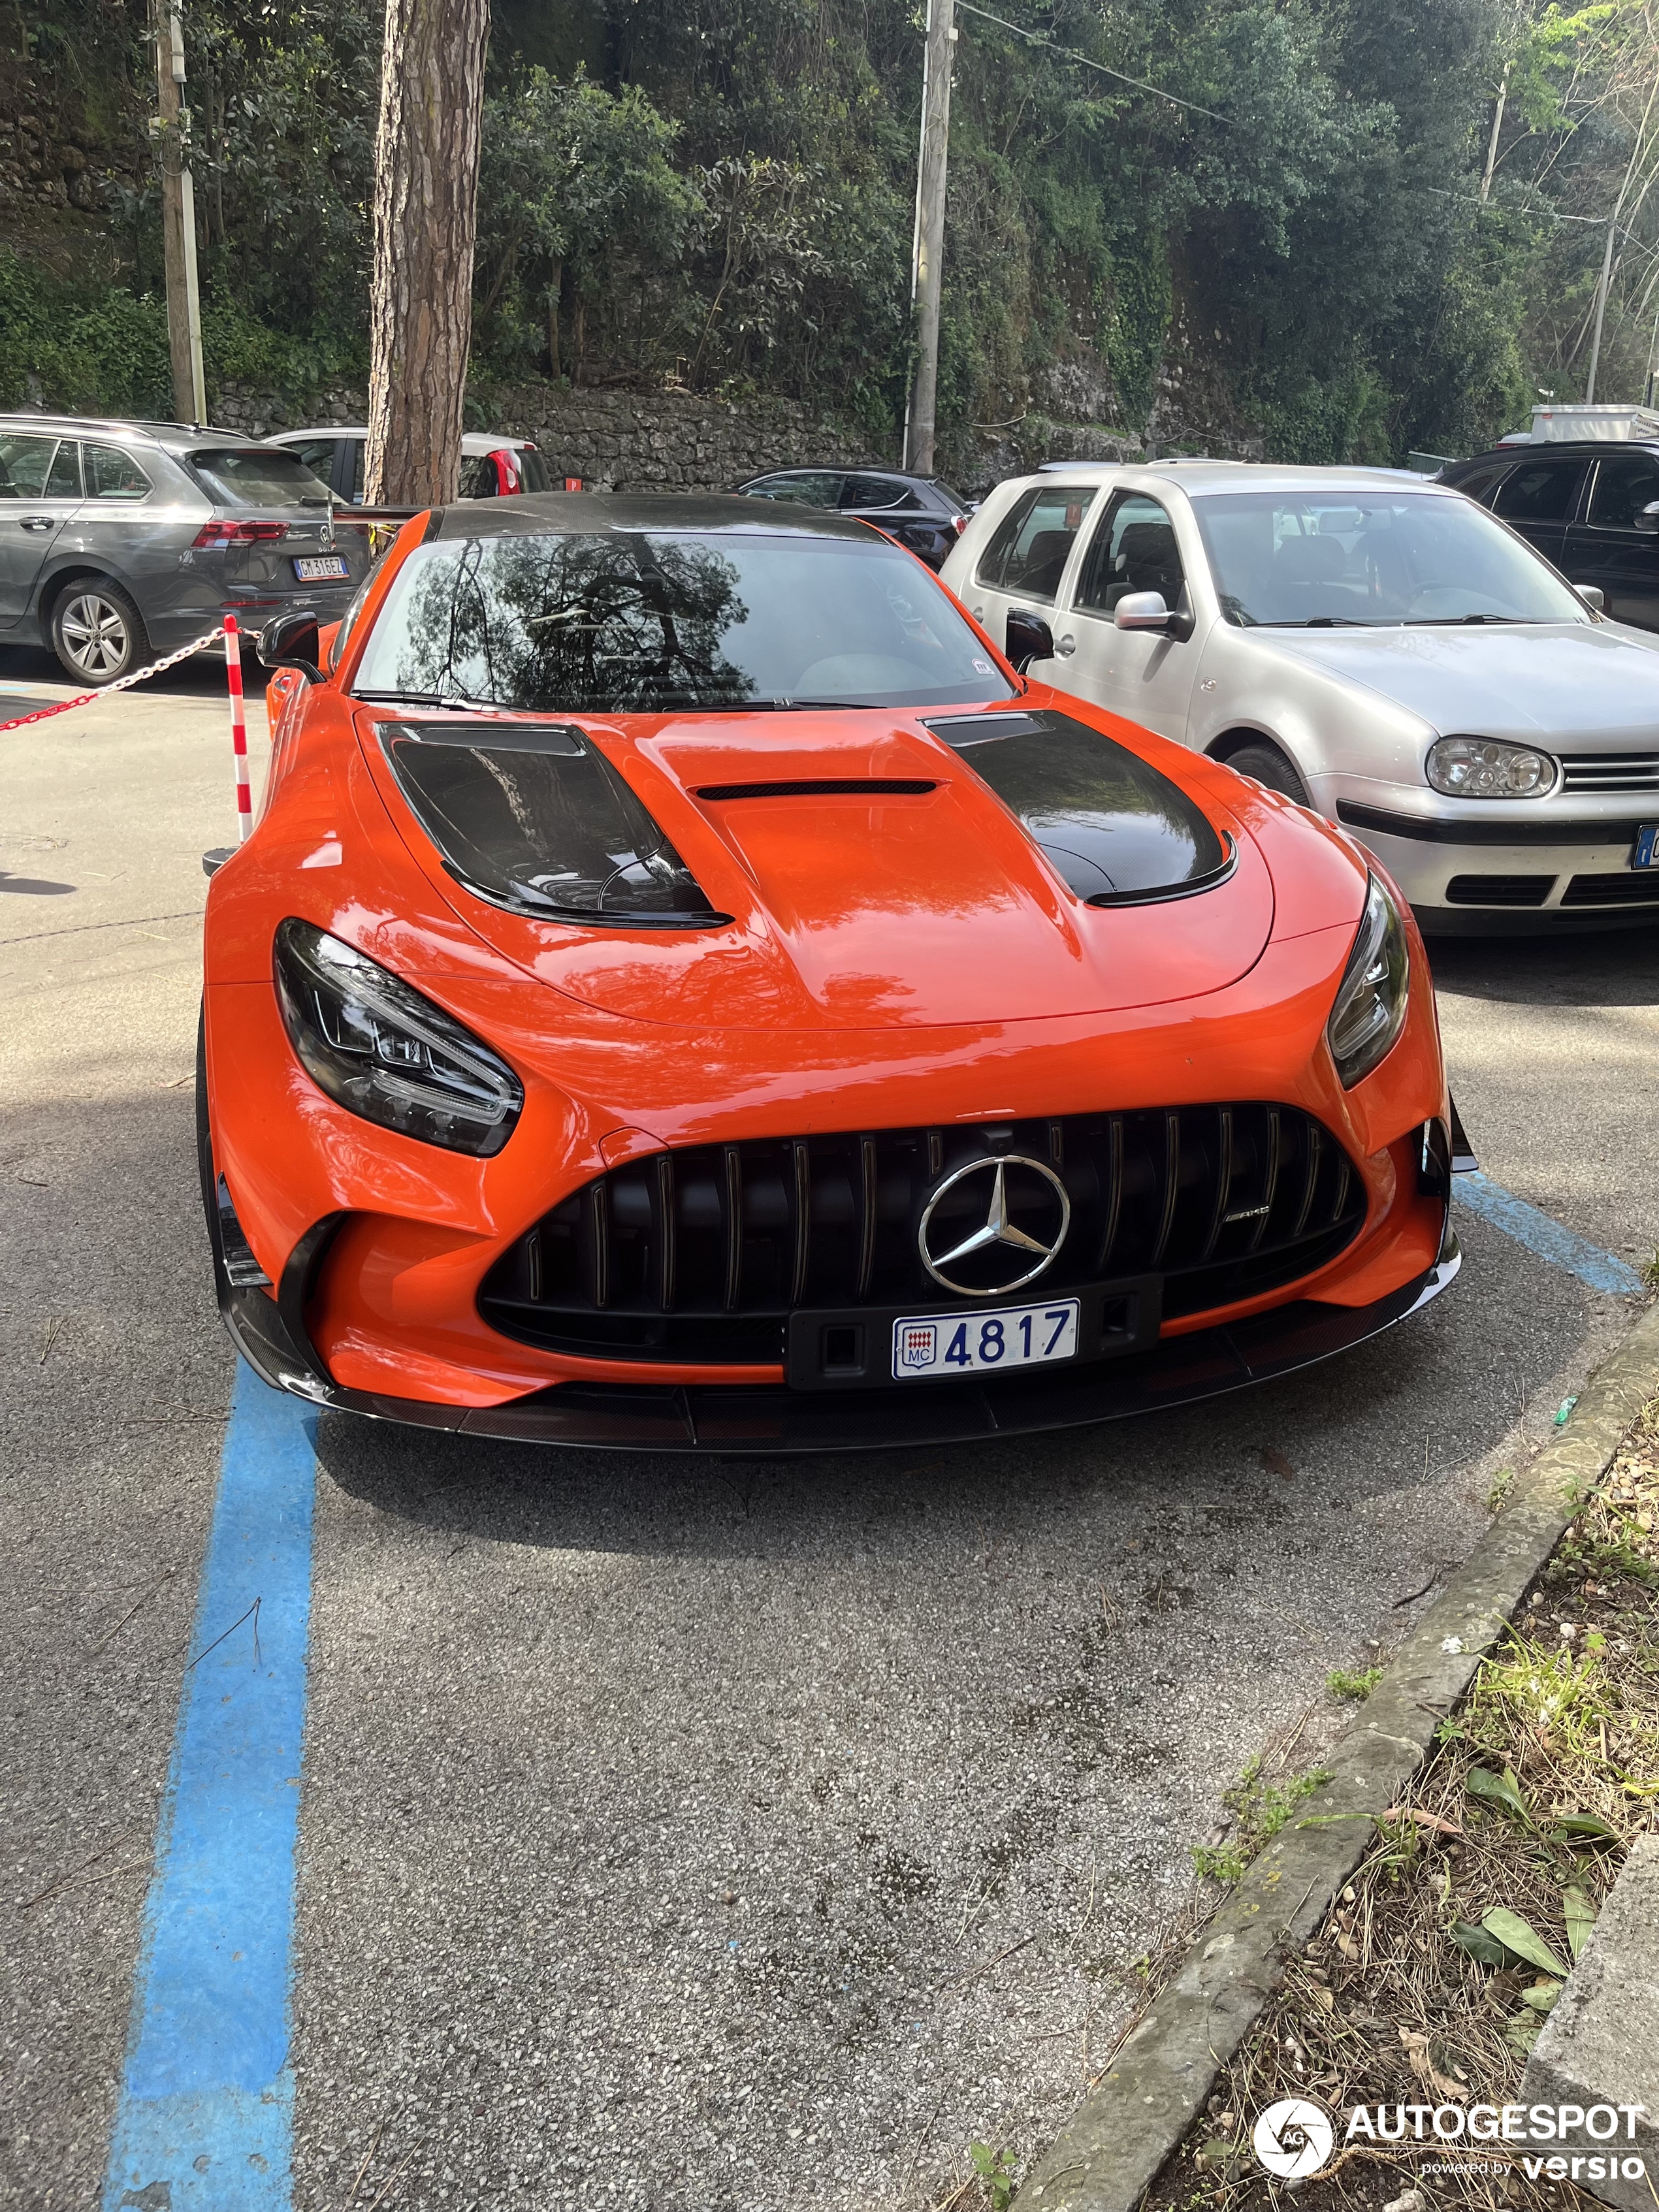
column 856, row 870
column 1539, row 682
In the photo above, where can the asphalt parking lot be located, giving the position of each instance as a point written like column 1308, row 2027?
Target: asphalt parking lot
column 672, row 1834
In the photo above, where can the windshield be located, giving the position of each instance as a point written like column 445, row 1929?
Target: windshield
column 627, row 622
column 1333, row 559
column 264, row 476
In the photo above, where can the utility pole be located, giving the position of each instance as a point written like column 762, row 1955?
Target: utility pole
column 1601, row 308
column 927, row 253
column 179, row 218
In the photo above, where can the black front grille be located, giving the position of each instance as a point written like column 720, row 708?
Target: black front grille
column 1630, row 887
column 699, row 1255
column 1610, row 771
column 1498, row 890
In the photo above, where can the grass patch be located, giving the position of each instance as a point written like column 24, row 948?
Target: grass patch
column 1354, row 1685
column 1256, row 1809
column 1432, row 1974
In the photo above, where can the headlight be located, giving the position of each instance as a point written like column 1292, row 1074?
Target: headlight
column 379, row 1049
column 1371, row 1000
column 1488, row 768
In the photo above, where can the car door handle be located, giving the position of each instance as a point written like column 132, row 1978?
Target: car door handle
column 1065, row 645
column 35, row 522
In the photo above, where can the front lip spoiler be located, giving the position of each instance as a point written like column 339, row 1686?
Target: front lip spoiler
column 770, row 1420
column 1528, row 830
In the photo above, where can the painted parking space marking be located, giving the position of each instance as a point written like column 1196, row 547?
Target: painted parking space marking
column 205, row 2118
column 1541, row 1234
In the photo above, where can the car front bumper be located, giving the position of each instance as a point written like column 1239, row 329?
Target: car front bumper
column 769, row 1419
column 1543, row 870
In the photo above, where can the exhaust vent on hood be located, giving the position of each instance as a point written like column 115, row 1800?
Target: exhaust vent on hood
column 1115, row 829
column 533, row 818
column 838, row 787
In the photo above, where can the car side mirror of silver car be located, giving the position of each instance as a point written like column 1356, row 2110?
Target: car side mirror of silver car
column 1147, row 610
column 1648, row 520
column 1593, row 596
column 293, row 641
column 1027, row 638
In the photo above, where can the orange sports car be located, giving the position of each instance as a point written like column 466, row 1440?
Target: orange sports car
column 687, row 989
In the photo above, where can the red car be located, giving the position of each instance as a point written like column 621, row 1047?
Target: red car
column 686, row 989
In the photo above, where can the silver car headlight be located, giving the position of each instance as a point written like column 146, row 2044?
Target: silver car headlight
column 1370, row 1011
column 1490, row 768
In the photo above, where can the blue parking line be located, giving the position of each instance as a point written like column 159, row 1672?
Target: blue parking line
column 205, row 2119
column 1602, row 1271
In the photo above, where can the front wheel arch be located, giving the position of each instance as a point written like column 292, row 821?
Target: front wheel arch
column 1290, row 781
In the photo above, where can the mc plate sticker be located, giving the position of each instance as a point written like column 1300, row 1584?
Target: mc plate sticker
column 975, row 1343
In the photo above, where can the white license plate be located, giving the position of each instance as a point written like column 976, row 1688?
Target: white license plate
column 314, row 570
column 993, row 1340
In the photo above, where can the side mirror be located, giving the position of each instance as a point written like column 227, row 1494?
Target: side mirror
column 293, row 641
column 1028, row 638
column 1141, row 610
column 1648, row 520
column 1593, row 596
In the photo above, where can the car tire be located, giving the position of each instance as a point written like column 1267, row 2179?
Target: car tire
column 1268, row 766
column 97, row 633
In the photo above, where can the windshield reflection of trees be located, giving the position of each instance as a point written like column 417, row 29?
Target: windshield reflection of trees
column 619, row 623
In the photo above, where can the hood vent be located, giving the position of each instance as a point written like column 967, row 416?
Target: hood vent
column 1115, row 829
column 838, row 787
column 532, row 817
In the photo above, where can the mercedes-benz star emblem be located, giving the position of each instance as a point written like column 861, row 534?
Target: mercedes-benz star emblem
column 1011, row 1184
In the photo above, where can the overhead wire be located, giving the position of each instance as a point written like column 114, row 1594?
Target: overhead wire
column 1072, row 54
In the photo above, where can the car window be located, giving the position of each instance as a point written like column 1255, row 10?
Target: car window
column 1625, row 484
column 111, row 473
column 1478, row 484
column 359, row 447
column 1318, row 560
column 630, row 622
column 478, row 479
column 64, row 478
column 24, row 462
column 1133, row 549
column 1539, row 491
column 880, row 492
column 537, row 477
column 259, row 476
column 806, row 487
column 952, row 500
column 317, row 454
column 1030, row 547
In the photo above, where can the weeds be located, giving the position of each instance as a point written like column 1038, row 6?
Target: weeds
column 1354, row 1685
column 1258, row 1810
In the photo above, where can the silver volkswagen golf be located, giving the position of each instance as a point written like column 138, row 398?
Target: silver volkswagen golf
column 1381, row 650
column 120, row 541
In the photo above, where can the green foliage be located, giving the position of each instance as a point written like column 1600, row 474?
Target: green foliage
column 997, row 2170
column 1259, row 1809
column 1356, row 1685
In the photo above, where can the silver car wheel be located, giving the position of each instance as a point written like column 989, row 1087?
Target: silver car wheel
column 96, row 635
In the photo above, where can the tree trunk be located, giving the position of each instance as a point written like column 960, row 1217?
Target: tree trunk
column 426, row 205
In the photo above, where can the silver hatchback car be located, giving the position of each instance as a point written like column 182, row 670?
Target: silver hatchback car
column 1371, row 646
column 121, row 541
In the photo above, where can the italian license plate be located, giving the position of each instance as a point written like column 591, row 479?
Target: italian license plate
column 316, row 568
column 1646, row 854
column 992, row 1341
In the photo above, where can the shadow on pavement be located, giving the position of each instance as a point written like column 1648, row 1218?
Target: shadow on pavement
column 1594, row 968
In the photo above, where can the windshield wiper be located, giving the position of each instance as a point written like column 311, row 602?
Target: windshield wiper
column 773, row 707
column 1458, row 622
column 421, row 699
column 1321, row 622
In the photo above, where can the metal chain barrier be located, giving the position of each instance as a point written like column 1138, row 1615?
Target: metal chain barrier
column 121, row 682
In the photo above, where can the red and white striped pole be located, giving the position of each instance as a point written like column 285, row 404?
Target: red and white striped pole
column 238, row 729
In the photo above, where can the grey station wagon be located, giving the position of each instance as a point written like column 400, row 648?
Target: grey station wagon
column 121, row 541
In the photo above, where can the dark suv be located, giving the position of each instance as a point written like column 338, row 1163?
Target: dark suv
column 1592, row 508
column 120, row 541
column 924, row 515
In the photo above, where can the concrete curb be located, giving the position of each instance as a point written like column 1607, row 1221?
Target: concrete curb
column 1115, row 2143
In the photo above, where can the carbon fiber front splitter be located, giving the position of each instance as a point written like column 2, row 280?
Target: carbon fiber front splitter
column 771, row 1419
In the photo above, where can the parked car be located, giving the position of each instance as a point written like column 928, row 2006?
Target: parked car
column 925, row 516
column 1370, row 644
column 731, row 1012
column 492, row 466
column 119, row 541
column 1590, row 507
